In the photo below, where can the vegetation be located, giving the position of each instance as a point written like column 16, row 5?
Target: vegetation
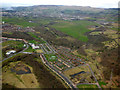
column 44, row 77
column 101, row 83
column 49, row 57
column 33, row 41
column 77, row 29
column 30, row 49
column 18, row 34
column 67, row 26
column 86, row 87
column 18, row 21
column 11, row 45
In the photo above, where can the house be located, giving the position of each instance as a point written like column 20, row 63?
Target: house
column 10, row 52
column 33, row 46
column 24, row 45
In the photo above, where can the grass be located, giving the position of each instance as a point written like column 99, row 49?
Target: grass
column 77, row 29
column 39, row 51
column 13, row 43
column 87, row 87
column 19, row 21
column 76, row 70
column 33, row 41
column 101, row 83
column 30, row 49
column 48, row 56
column 25, row 21
column 23, row 81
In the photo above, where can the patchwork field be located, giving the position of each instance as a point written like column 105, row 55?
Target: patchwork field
column 77, row 29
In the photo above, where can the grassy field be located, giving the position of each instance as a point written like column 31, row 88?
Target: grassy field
column 25, row 21
column 49, row 57
column 77, row 29
column 12, row 43
column 87, row 87
column 30, row 49
column 33, row 41
column 18, row 21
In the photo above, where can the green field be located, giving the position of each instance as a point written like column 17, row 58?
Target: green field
column 13, row 43
column 25, row 21
column 87, row 87
column 77, row 29
column 18, row 21
column 33, row 41
column 49, row 57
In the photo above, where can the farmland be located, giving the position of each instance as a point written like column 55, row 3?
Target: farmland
column 77, row 29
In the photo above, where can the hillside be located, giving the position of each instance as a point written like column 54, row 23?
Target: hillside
column 72, row 38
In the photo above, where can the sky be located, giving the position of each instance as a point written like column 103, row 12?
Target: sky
column 92, row 3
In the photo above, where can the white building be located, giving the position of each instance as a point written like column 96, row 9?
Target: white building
column 34, row 47
column 10, row 52
column 24, row 45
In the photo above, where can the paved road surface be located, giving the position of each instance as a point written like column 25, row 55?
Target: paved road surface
column 94, row 76
column 16, row 53
column 65, row 78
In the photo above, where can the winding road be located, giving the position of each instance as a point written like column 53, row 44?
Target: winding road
column 16, row 53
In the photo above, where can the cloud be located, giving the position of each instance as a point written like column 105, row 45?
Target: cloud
column 92, row 3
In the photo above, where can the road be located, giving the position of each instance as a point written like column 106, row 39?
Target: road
column 70, row 83
column 16, row 53
column 67, row 80
column 94, row 76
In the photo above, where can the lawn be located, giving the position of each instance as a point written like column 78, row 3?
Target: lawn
column 50, row 57
column 30, row 49
column 77, row 29
column 101, row 83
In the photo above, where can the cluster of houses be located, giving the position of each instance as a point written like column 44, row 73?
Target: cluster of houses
column 65, row 54
column 60, row 64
